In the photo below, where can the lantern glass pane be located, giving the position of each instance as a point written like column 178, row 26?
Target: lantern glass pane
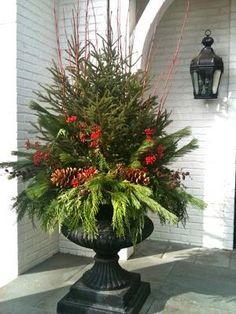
column 195, row 82
column 216, row 81
column 205, row 84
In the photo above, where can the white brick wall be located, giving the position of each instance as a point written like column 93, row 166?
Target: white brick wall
column 8, row 189
column 212, row 166
column 35, row 49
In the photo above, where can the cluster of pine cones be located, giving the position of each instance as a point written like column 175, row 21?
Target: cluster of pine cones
column 65, row 177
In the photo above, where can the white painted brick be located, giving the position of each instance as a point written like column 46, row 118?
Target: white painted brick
column 35, row 49
column 8, row 140
column 204, row 164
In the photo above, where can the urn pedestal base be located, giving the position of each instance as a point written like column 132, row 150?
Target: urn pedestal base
column 106, row 288
column 84, row 300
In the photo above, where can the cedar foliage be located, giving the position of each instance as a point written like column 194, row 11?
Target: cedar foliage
column 96, row 117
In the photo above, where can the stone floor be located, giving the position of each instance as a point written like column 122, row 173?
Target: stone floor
column 183, row 280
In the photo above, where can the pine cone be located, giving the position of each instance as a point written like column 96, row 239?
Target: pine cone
column 137, row 176
column 63, row 177
column 134, row 175
column 82, row 175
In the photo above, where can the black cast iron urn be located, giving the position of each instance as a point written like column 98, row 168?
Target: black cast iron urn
column 106, row 287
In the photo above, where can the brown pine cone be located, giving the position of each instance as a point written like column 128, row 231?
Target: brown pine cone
column 137, row 176
column 82, row 175
column 63, row 177
column 134, row 175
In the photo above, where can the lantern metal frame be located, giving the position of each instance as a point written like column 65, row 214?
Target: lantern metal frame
column 206, row 70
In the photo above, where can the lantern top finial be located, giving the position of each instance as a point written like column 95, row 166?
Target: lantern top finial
column 207, row 41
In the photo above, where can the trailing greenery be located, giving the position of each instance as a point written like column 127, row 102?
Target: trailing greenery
column 101, row 141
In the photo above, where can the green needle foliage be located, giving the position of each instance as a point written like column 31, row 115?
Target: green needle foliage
column 101, row 142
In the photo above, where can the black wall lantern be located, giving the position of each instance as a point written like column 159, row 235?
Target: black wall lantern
column 206, row 70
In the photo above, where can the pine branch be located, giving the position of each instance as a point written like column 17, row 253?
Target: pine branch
column 186, row 148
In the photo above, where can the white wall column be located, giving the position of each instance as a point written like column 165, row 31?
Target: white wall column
column 8, row 140
column 146, row 28
column 36, row 47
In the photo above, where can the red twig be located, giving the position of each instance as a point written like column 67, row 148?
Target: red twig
column 59, row 56
column 119, row 43
column 86, row 28
column 77, row 28
column 148, row 58
column 172, row 66
column 69, row 52
column 95, row 24
column 108, row 20
column 58, row 44
column 126, row 37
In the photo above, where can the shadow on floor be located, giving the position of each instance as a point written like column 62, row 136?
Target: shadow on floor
column 183, row 280
column 35, row 303
column 62, row 261
column 186, row 279
column 190, row 288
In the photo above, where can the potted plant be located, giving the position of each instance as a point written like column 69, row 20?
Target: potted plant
column 100, row 163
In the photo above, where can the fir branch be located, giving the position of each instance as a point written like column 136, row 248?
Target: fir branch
column 186, row 148
column 194, row 201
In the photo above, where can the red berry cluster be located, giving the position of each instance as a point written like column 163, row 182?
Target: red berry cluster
column 83, row 133
column 87, row 134
column 34, row 145
column 71, row 119
column 150, row 159
column 149, row 133
column 160, row 151
column 159, row 154
column 39, row 155
column 95, row 136
column 91, row 135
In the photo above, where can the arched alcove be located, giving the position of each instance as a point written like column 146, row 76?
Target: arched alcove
column 146, row 27
column 212, row 166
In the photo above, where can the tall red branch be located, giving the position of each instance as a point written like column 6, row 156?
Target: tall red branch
column 58, row 44
column 59, row 56
column 95, row 24
column 172, row 66
column 165, row 88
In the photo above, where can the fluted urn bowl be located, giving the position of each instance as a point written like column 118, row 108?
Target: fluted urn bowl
column 106, row 277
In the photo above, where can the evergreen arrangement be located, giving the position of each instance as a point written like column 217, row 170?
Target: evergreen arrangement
column 101, row 141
